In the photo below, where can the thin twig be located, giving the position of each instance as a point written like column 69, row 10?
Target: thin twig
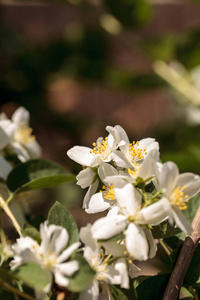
column 185, row 256
column 7, row 210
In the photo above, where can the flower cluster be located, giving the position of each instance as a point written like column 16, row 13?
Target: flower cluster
column 135, row 187
column 125, row 179
column 16, row 139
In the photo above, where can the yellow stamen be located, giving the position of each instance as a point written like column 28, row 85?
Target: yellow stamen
column 136, row 152
column 24, row 134
column 179, row 198
column 108, row 192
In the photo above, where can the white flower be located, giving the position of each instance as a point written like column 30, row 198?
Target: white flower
column 50, row 254
column 104, row 199
column 132, row 154
column 102, row 152
column 17, row 134
column 130, row 219
column 115, row 273
column 177, row 189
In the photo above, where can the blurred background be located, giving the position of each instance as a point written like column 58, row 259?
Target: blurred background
column 80, row 65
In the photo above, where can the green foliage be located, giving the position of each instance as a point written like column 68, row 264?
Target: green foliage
column 58, row 215
column 164, row 230
column 34, row 276
column 123, row 294
column 153, row 287
column 33, row 233
column 83, row 277
column 37, row 174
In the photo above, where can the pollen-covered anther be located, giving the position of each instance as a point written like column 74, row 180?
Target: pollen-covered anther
column 108, row 192
column 136, row 152
column 179, row 198
column 101, row 148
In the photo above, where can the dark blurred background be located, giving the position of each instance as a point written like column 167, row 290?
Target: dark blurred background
column 80, row 65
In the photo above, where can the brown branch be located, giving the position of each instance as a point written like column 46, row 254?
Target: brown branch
column 185, row 256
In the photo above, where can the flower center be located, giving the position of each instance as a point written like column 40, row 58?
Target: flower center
column 179, row 198
column 24, row 134
column 135, row 152
column 49, row 260
column 101, row 148
column 108, row 192
column 99, row 265
column 133, row 173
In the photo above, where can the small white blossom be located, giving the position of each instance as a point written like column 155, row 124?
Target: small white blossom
column 177, row 189
column 106, row 273
column 17, row 135
column 50, row 254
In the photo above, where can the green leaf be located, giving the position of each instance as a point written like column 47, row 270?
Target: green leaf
column 33, row 233
column 58, row 215
column 83, row 278
column 37, row 174
column 34, row 276
column 153, row 287
column 164, row 230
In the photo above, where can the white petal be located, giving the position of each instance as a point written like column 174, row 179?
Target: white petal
column 147, row 168
column 105, row 170
column 121, row 138
column 68, row 268
column 68, row 252
column 97, row 204
column 81, row 155
column 92, row 293
column 33, row 149
column 181, row 221
column 191, row 182
column 151, row 241
column 108, row 227
column 155, row 213
column 92, row 189
column 128, row 198
column 85, row 177
column 136, row 242
column 5, row 168
column 58, row 240
column 168, row 176
column 60, row 279
column 21, row 115
column 86, row 237
column 121, row 267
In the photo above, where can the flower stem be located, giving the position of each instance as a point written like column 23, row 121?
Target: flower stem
column 7, row 210
column 165, row 247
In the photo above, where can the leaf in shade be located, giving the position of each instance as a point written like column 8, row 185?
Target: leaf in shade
column 37, row 174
